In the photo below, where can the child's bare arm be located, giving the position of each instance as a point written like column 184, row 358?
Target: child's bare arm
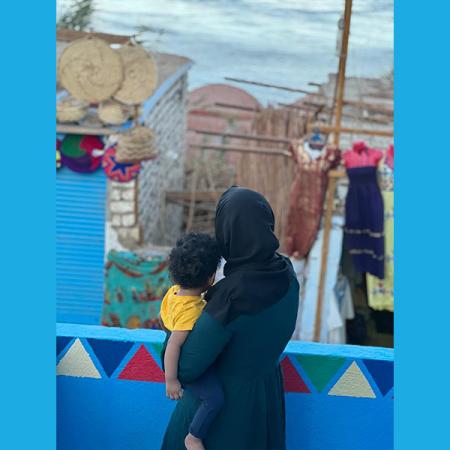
column 171, row 356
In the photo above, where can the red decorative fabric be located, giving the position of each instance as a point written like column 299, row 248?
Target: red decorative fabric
column 91, row 143
column 390, row 157
column 360, row 155
column 306, row 199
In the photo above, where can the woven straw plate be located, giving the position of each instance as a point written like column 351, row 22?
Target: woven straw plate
column 140, row 75
column 90, row 70
column 136, row 144
column 70, row 109
column 111, row 112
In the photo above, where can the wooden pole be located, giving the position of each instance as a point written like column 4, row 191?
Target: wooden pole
column 236, row 148
column 238, row 107
column 301, row 107
column 327, row 110
column 76, row 129
column 244, row 115
column 332, row 180
column 347, row 130
column 373, row 107
column 324, row 257
column 370, row 106
column 66, row 35
column 342, row 67
column 274, row 86
column 249, row 137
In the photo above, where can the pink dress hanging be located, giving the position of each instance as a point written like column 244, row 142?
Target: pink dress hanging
column 364, row 217
column 362, row 156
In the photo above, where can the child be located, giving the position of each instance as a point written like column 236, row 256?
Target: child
column 192, row 265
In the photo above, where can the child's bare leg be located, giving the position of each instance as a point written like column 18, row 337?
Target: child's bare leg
column 193, row 443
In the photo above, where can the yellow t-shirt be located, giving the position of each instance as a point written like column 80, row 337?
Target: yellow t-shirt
column 180, row 312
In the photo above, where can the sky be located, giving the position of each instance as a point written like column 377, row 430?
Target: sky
column 286, row 42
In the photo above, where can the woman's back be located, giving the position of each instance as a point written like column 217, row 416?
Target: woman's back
column 248, row 320
column 258, row 340
column 250, row 348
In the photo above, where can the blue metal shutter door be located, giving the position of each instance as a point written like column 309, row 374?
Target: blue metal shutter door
column 80, row 243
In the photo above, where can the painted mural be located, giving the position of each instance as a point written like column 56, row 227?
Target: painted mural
column 134, row 289
column 336, row 399
column 303, row 374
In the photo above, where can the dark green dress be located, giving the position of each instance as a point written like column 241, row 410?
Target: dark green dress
column 246, row 354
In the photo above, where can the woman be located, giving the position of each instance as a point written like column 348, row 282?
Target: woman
column 249, row 318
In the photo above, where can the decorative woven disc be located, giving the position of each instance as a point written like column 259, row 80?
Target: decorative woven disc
column 70, row 109
column 112, row 112
column 136, row 144
column 140, row 75
column 90, row 70
column 122, row 172
column 78, row 153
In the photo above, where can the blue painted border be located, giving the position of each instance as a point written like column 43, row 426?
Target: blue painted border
column 27, row 225
column 422, row 244
column 154, row 336
column 94, row 358
column 63, row 352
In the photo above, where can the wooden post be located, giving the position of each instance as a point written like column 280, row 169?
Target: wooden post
column 238, row 149
column 324, row 256
column 249, row 137
column 350, row 130
column 332, row 179
column 342, row 66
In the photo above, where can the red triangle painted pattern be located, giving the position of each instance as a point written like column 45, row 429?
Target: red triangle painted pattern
column 142, row 367
column 293, row 382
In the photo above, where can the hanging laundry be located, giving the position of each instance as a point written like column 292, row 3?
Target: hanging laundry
column 390, row 157
column 341, row 310
column 316, row 141
column 381, row 292
column 134, row 289
column 300, row 266
column 219, row 271
column 306, row 199
column 364, row 222
column 309, row 277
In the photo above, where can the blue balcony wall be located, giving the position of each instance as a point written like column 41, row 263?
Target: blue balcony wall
column 111, row 393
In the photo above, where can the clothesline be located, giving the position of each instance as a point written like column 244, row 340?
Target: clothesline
column 311, row 127
column 241, row 149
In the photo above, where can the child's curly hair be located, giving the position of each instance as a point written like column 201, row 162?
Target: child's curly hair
column 193, row 260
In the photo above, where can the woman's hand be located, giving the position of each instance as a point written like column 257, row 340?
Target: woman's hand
column 174, row 391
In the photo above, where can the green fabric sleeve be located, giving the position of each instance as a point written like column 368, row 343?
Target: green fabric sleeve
column 202, row 347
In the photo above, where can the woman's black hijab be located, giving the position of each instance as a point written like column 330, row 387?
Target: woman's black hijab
column 256, row 276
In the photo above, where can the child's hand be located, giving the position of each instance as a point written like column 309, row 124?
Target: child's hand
column 174, row 391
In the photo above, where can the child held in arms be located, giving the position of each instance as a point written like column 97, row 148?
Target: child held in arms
column 192, row 265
